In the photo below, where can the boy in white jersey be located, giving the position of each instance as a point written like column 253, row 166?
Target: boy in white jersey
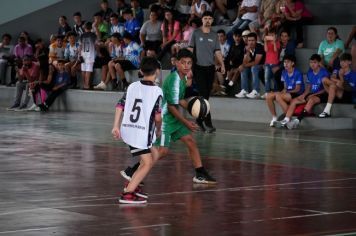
column 141, row 122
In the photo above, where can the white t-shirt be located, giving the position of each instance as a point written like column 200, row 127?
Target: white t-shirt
column 198, row 8
column 250, row 15
column 138, row 124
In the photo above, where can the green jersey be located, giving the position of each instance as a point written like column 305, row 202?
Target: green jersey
column 173, row 91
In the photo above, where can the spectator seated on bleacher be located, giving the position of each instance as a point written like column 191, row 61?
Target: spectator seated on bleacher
column 137, row 11
column 330, row 49
column 293, row 87
column 314, row 93
column 296, row 15
column 29, row 73
column 100, row 27
column 253, row 60
column 105, row 11
column 198, row 8
column 151, row 35
column 6, row 55
column 130, row 60
column 247, row 13
column 63, row 28
column 171, row 33
column 121, row 5
column 71, row 56
column 56, row 50
column 352, row 36
column 41, row 56
column 188, row 29
column 78, row 26
column 341, row 87
column 222, row 6
column 116, row 25
column 132, row 25
column 54, row 88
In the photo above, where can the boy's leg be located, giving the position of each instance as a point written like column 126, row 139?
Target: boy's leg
column 193, row 150
column 282, row 100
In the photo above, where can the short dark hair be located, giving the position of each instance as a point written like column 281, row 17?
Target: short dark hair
column 71, row 33
column 6, row 35
column 207, row 13
column 77, row 14
column 116, row 35
column 114, row 15
column 315, row 57
column 183, row 53
column 290, row 57
column 149, row 65
column 285, row 31
column 237, row 32
column 88, row 25
column 346, row 57
column 127, row 11
column 221, row 31
column 64, row 17
column 127, row 35
column 98, row 14
column 252, row 35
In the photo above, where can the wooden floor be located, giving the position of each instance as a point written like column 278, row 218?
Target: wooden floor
column 59, row 175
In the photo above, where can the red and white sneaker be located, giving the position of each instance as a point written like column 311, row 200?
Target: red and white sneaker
column 138, row 191
column 131, row 198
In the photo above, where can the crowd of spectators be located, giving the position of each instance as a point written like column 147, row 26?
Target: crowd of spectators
column 257, row 40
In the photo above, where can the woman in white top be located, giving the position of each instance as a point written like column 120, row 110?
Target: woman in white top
column 198, row 8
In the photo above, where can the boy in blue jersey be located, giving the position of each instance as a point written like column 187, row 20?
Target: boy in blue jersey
column 293, row 87
column 341, row 86
column 313, row 94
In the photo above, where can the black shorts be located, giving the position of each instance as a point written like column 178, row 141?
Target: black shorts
column 347, row 97
column 231, row 4
column 323, row 97
column 101, row 61
column 138, row 151
column 294, row 95
column 126, row 65
column 153, row 45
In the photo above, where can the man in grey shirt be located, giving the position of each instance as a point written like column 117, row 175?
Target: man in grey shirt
column 205, row 45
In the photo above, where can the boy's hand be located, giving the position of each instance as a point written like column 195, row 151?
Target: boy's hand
column 158, row 133
column 116, row 133
column 192, row 126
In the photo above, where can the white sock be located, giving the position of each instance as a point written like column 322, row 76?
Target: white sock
column 328, row 108
column 274, row 118
column 287, row 119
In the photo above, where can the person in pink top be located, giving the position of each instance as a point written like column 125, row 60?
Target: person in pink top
column 272, row 47
column 22, row 49
column 297, row 16
column 188, row 29
column 171, row 32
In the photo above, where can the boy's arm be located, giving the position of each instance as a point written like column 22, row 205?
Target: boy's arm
column 115, row 129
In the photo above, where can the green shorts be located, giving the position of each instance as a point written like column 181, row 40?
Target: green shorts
column 172, row 133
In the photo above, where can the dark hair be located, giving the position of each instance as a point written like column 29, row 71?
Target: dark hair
column 88, row 25
column 61, row 37
column 221, row 31
column 77, row 14
column 315, row 57
column 22, row 38
column 183, row 53
column 127, row 11
column 207, row 13
column 116, row 35
column 104, row 1
column 166, row 23
column 335, row 31
column 98, row 14
column 127, row 35
column 6, row 35
column 290, row 57
column 27, row 57
column 346, row 57
column 64, row 17
column 149, row 65
column 70, row 33
column 252, row 35
column 237, row 32
column 61, row 61
column 285, row 31
column 114, row 15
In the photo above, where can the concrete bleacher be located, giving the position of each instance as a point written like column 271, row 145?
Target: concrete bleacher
column 223, row 108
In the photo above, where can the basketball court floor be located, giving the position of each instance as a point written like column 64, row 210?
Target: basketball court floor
column 59, row 175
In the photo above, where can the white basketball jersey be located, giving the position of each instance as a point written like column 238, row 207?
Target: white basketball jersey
column 138, row 124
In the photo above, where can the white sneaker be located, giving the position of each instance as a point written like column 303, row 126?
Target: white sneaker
column 253, row 94
column 231, row 83
column 293, row 124
column 32, row 108
column 241, row 94
column 264, row 96
column 100, row 86
column 272, row 123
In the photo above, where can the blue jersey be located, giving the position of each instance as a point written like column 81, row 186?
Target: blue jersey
column 350, row 78
column 62, row 78
column 293, row 80
column 133, row 27
column 316, row 80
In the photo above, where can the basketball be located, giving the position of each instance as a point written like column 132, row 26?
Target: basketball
column 198, row 107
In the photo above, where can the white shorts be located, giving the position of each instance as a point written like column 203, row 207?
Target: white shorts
column 87, row 67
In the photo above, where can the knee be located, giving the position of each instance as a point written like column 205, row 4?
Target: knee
column 271, row 96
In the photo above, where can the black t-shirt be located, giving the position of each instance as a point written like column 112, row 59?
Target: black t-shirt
column 258, row 50
column 236, row 54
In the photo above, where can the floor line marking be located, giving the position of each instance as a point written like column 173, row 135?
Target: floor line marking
column 145, row 226
column 290, row 217
column 26, row 230
column 287, row 138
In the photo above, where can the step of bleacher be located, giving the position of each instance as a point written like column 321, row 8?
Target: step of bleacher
column 223, row 109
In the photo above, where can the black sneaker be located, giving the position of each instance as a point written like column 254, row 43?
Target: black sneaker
column 131, row 198
column 127, row 173
column 201, row 126
column 203, row 178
